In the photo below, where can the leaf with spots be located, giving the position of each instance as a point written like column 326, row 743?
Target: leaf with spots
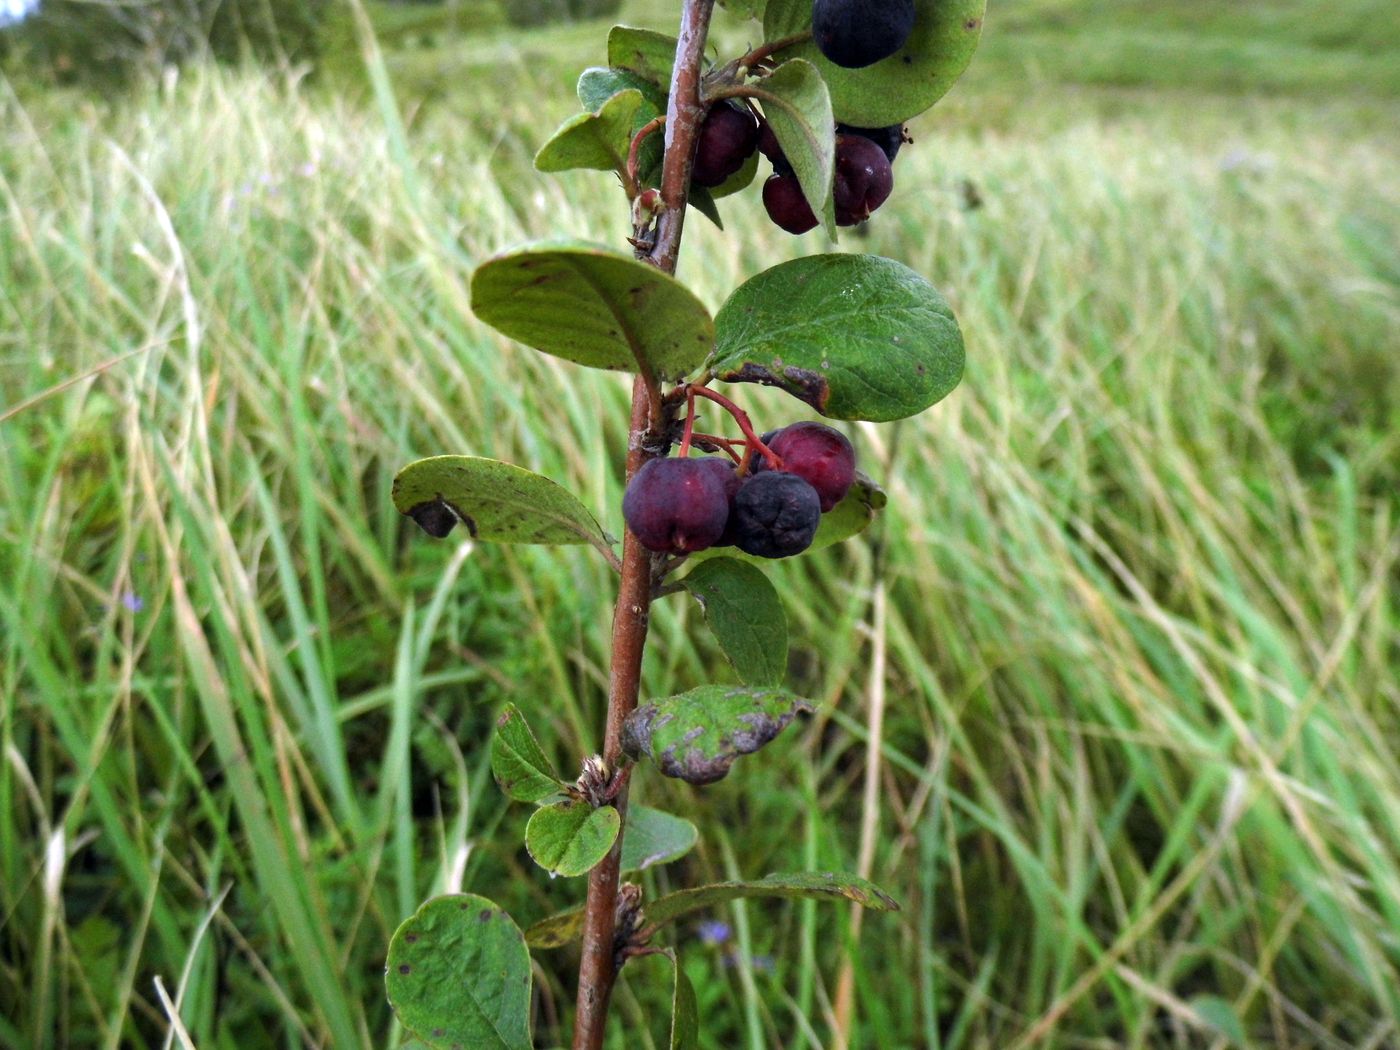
column 911, row 80
column 854, row 336
column 518, row 762
column 458, row 975
column 557, row 931
column 696, row 736
column 569, row 838
column 498, row 503
column 745, row 615
column 595, row 307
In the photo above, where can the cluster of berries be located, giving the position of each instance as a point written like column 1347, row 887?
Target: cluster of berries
column 681, row 505
column 851, row 33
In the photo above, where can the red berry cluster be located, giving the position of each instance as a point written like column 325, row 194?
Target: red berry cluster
column 768, row 503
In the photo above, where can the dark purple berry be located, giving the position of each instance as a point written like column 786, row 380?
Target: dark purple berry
column 768, row 146
column 728, row 137
column 864, row 179
column 676, row 505
column 786, row 204
column 857, row 33
column 888, row 139
column 775, row 515
column 821, row 456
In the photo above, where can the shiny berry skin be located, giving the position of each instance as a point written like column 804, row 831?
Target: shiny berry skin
column 786, row 205
column 889, row 139
column 821, row 456
column 864, row 180
column 676, row 506
column 775, row 515
column 858, row 33
column 728, row 137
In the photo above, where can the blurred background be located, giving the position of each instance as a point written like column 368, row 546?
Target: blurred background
column 1138, row 650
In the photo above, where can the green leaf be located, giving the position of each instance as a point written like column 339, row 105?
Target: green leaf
column 905, row 84
column 685, row 1011
column 743, row 610
column 458, row 974
column 854, row 336
column 744, row 8
column 517, row 761
column 703, row 201
column 570, row 837
column 643, row 52
column 809, row 885
column 557, row 931
column 798, row 109
column 696, row 736
column 597, row 85
column 852, row 515
column 498, row 502
column 597, row 141
column 593, row 306
column 655, row 837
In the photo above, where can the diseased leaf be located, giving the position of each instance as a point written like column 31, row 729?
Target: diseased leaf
column 517, row 761
column 809, row 885
column 742, row 609
column 458, row 974
column 905, row 84
column 568, row 838
column 854, row 336
column 798, row 109
column 557, row 931
column 592, row 305
column 852, row 515
column 563, row 929
column 655, row 837
column 644, row 52
column 598, row 141
column 696, row 736
column 498, row 502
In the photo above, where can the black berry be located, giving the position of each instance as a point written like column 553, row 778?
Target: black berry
column 864, row 179
column 675, row 506
column 888, row 139
column 775, row 515
column 786, row 204
column 856, row 33
column 728, row 137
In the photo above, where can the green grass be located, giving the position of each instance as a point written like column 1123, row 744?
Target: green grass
column 1138, row 775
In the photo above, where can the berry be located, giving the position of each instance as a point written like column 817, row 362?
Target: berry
column 888, row 139
column 768, row 146
column 786, row 204
column 864, row 179
column 728, row 137
column 674, row 506
column 856, row 33
column 821, row 456
column 775, row 515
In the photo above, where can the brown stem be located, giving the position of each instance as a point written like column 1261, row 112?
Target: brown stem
column 598, row 968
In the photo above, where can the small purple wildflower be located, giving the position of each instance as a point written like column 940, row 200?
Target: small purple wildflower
column 132, row 602
column 712, row 931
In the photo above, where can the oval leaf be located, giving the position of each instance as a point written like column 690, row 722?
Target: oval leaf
column 810, row 885
column 798, row 109
column 905, row 84
column 597, row 141
column 696, row 736
column 645, row 52
column 685, row 1011
column 852, row 515
column 594, row 306
column 458, row 974
column 569, row 838
column 518, row 762
column 596, row 85
column 854, row 336
column 498, row 502
column 743, row 610
column 655, row 837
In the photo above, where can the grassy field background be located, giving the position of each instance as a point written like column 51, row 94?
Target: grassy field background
column 1139, row 646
